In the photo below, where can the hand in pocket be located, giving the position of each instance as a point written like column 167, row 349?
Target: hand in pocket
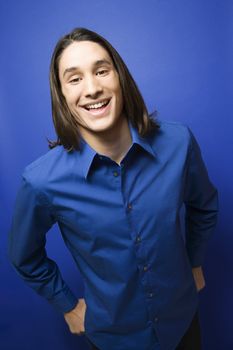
column 198, row 278
column 75, row 318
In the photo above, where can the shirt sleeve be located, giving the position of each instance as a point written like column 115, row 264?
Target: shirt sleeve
column 201, row 203
column 33, row 217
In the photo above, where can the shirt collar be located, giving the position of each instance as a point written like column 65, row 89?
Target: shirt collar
column 87, row 153
column 141, row 141
column 86, row 157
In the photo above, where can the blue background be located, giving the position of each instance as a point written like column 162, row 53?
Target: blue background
column 180, row 52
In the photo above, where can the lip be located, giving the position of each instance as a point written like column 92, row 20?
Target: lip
column 100, row 111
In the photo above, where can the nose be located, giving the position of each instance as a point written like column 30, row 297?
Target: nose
column 92, row 87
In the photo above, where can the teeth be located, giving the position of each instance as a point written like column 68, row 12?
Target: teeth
column 96, row 105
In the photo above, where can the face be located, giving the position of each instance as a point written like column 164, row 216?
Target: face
column 90, row 85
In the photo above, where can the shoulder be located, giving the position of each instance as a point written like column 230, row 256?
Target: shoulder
column 173, row 129
column 43, row 168
column 171, row 137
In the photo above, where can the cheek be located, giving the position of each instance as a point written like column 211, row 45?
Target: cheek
column 112, row 83
column 65, row 94
column 116, row 89
column 70, row 95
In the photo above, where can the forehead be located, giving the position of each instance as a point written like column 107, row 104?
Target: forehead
column 82, row 54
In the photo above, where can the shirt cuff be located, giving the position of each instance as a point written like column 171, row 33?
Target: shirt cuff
column 196, row 255
column 64, row 301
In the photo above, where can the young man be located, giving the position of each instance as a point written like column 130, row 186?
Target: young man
column 115, row 182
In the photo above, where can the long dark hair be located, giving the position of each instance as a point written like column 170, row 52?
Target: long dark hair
column 65, row 123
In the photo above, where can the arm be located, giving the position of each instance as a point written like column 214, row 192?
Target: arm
column 33, row 217
column 201, row 203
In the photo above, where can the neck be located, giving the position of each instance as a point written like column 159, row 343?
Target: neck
column 113, row 143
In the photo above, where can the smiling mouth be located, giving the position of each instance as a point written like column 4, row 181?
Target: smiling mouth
column 97, row 106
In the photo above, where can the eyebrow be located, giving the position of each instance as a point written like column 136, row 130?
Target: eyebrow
column 96, row 64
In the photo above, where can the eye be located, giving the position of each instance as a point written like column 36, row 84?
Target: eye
column 102, row 72
column 75, row 80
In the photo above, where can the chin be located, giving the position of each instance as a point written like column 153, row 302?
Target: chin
column 102, row 128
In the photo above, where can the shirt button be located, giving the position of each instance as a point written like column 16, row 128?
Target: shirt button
column 138, row 239
column 129, row 206
column 145, row 268
column 115, row 173
column 150, row 295
column 156, row 319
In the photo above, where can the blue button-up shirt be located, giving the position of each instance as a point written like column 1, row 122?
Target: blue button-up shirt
column 122, row 225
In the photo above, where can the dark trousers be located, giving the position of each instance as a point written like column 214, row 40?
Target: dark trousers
column 190, row 341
